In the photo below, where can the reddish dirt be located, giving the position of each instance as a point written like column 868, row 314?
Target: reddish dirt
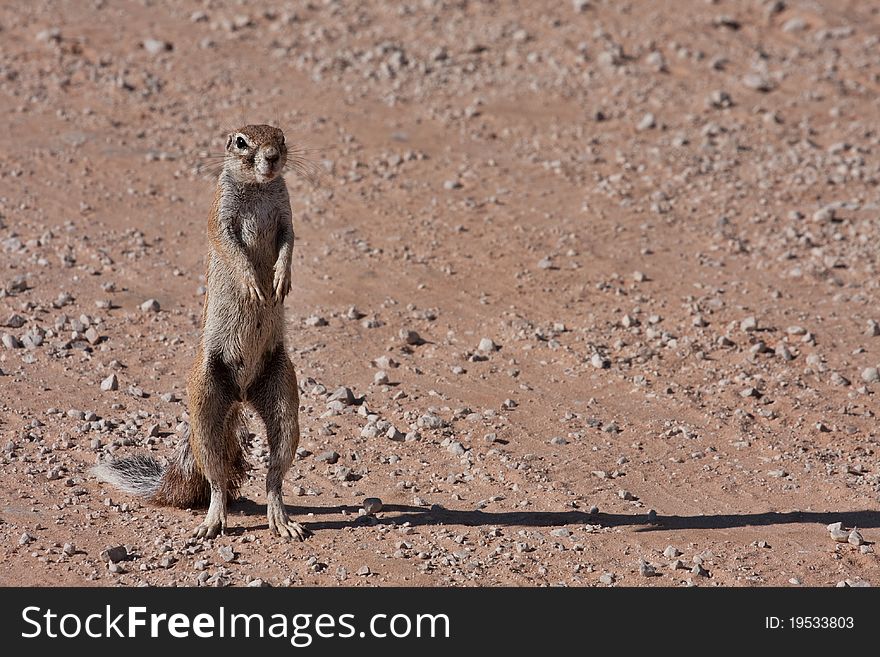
column 682, row 302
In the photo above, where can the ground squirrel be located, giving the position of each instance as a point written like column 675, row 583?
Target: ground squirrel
column 241, row 356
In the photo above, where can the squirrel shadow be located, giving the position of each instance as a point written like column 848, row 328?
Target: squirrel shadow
column 436, row 515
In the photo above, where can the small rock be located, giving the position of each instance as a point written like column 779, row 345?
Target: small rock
column 156, row 46
column 25, row 538
column 757, row 82
column 363, row 571
column 380, row 378
column 870, row 375
column 411, row 337
column 150, row 306
column 748, row 324
column 92, row 335
column 344, row 395
column 626, row 495
column 561, row 532
column 372, row 506
column 329, row 456
column 855, row 538
column 606, row 578
column 115, row 554
column 647, row 122
column 227, row 553
column 646, row 569
column 110, row 383
column 840, row 535
column 456, row 448
column 599, row 362
column 671, row 552
column 487, row 345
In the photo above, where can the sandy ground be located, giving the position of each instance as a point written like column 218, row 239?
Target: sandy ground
column 664, row 215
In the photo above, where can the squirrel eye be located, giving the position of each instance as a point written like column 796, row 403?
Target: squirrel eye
column 240, row 143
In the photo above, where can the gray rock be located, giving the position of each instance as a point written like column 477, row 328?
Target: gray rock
column 344, row 395
column 227, row 553
column 372, row 505
column 394, row 434
column 647, row 122
column 456, row 448
column 380, row 378
column 411, row 337
column 855, row 538
column 870, row 375
column 329, row 456
column 487, row 345
column 10, row 341
column 150, row 306
column 110, row 383
column 114, row 554
column 156, row 46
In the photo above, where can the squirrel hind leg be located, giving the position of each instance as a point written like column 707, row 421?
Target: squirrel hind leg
column 275, row 397
column 216, row 433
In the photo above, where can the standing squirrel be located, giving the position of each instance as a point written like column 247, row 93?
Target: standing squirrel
column 241, row 356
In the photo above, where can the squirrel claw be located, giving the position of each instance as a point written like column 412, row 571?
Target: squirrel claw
column 210, row 529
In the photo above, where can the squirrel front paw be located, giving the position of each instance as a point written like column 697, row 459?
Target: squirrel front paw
column 281, row 283
column 253, row 291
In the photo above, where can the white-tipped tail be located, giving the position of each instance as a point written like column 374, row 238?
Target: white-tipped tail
column 138, row 475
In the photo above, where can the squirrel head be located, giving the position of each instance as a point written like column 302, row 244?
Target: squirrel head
column 255, row 154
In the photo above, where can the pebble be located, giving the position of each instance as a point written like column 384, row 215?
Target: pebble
column 92, row 335
column 411, row 337
column 372, row 505
column 606, row 578
column 757, row 82
column 626, row 495
column 227, row 553
column 380, row 377
column 156, row 46
column 839, row 534
column 870, row 375
column 646, row 569
column 315, row 320
column 486, row 345
column 599, row 362
column 114, row 554
column 451, row 184
column 671, row 552
column 363, row 571
column 110, row 383
column 647, row 122
column 25, row 538
column 456, row 448
column 150, row 306
column 68, row 549
column 344, row 395
column 10, row 341
column 394, row 434
column 748, row 324
column 561, row 532
column 855, row 538
column 329, row 456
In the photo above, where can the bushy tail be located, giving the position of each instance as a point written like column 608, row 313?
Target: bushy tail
column 138, row 475
column 181, row 483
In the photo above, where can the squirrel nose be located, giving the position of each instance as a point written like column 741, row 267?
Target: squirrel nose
column 271, row 155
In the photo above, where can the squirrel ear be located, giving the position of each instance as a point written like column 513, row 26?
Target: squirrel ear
column 229, row 141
